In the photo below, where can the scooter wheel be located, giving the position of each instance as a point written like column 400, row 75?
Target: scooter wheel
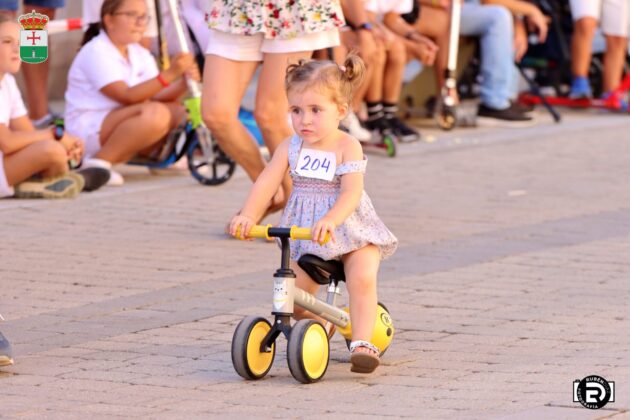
column 247, row 359
column 446, row 118
column 207, row 163
column 390, row 145
column 308, row 351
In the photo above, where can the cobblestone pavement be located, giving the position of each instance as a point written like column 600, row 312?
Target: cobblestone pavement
column 511, row 281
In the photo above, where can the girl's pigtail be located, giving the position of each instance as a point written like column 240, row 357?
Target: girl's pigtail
column 354, row 69
column 92, row 31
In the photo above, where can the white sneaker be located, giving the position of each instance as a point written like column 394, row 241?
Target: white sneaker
column 115, row 178
column 352, row 124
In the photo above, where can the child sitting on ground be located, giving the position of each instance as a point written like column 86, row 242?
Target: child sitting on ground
column 33, row 163
column 331, row 201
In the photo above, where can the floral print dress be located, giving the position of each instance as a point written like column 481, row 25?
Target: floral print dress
column 312, row 198
column 276, row 19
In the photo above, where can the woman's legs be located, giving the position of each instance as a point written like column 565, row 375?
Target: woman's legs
column 394, row 71
column 225, row 82
column 614, row 60
column 582, row 45
column 129, row 130
column 434, row 23
column 272, row 107
column 46, row 157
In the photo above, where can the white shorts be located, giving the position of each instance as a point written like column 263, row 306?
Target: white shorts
column 5, row 189
column 87, row 126
column 252, row 47
column 613, row 15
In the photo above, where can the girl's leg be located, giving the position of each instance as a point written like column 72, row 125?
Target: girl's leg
column 178, row 113
column 46, row 157
column 361, row 268
column 614, row 60
column 224, row 84
column 126, row 131
column 304, row 282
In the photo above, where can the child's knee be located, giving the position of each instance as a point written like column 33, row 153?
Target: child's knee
column 156, row 115
column 396, row 53
column 52, row 152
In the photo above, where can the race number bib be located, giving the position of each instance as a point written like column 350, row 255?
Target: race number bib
column 317, row 164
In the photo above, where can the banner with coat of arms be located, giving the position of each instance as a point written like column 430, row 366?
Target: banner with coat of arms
column 33, row 38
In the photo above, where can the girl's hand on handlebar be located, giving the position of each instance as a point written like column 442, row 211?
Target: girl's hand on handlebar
column 241, row 225
column 323, row 227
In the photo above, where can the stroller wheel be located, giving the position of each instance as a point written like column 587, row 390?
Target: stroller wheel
column 208, row 164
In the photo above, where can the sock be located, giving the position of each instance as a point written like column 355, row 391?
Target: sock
column 375, row 110
column 390, row 109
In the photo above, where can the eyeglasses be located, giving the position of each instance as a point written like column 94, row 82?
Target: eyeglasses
column 139, row 19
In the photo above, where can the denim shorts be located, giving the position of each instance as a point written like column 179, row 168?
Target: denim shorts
column 13, row 4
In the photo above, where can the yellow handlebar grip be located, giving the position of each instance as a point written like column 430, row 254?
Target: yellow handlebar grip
column 257, row 231
column 305, row 234
column 260, row 231
column 300, row 233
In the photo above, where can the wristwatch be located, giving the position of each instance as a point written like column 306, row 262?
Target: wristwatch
column 366, row 26
column 58, row 129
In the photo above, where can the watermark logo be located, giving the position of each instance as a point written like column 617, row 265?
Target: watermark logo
column 33, row 38
column 593, row 392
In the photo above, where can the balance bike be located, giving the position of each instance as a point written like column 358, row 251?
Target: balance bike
column 254, row 340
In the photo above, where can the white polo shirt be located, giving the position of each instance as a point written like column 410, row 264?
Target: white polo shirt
column 11, row 107
column 11, row 103
column 381, row 7
column 98, row 64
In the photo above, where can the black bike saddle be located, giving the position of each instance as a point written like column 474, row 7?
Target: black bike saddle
column 320, row 270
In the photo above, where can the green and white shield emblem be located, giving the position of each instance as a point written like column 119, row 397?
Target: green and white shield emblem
column 33, row 46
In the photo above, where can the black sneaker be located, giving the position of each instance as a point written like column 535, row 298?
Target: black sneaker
column 6, row 353
column 94, row 178
column 378, row 124
column 402, row 131
column 508, row 117
column 524, row 108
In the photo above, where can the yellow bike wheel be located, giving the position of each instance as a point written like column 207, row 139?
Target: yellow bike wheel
column 308, row 351
column 247, row 359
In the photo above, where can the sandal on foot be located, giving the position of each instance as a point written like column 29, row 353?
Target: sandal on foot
column 363, row 362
